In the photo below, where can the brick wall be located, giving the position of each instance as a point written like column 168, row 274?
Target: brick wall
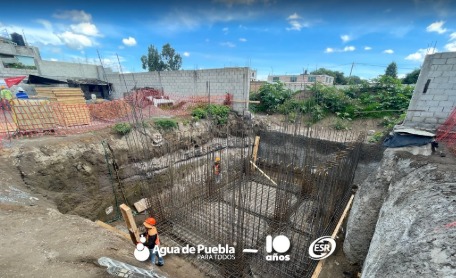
column 189, row 83
column 440, row 97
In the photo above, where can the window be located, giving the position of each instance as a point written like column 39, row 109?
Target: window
column 275, row 79
column 312, row 78
column 293, row 79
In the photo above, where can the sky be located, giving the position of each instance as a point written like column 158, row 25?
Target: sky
column 270, row 36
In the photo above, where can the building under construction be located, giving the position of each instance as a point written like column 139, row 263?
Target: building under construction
column 294, row 182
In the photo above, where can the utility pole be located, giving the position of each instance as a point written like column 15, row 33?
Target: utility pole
column 353, row 64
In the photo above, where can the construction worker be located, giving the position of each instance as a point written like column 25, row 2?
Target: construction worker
column 217, row 170
column 21, row 94
column 153, row 240
column 6, row 96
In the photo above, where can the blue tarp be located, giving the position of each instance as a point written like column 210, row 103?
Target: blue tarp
column 398, row 140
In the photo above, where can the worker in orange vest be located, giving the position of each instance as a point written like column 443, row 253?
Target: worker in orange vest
column 153, row 240
column 217, row 170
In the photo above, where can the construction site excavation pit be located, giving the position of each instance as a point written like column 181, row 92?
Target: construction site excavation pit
column 295, row 181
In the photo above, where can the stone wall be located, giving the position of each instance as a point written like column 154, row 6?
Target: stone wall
column 435, row 92
column 183, row 83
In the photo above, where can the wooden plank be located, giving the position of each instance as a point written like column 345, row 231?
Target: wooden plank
column 129, row 220
column 112, row 229
column 141, row 205
column 264, row 174
column 334, row 234
column 255, row 150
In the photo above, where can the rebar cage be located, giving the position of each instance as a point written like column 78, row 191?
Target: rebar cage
column 297, row 186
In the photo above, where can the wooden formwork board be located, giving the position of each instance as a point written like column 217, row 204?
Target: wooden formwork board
column 129, row 220
column 71, row 115
column 334, row 234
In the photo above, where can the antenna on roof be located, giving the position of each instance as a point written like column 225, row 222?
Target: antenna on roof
column 25, row 39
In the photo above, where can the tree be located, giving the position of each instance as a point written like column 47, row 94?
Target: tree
column 411, row 77
column 168, row 59
column 339, row 78
column 391, row 70
column 354, row 80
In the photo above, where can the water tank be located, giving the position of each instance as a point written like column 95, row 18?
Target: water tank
column 18, row 39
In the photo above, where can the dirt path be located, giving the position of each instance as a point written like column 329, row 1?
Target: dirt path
column 39, row 241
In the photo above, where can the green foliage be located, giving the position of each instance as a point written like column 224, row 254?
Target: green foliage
column 391, row 70
column 219, row 113
column 376, row 137
column 339, row 78
column 19, row 66
column 199, row 113
column 271, row 96
column 411, row 77
column 122, row 128
column 341, row 125
column 168, row 59
column 166, row 124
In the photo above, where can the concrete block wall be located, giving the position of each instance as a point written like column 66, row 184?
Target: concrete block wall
column 186, row 83
column 439, row 99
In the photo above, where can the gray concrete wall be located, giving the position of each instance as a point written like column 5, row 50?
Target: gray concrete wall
column 440, row 97
column 186, row 83
column 65, row 70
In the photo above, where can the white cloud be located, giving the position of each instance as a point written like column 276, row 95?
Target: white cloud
column 453, row 36
column 228, row 44
column 242, row 39
column 345, row 38
column 130, row 41
column 293, row 17
column 186, row 54
column 420, row 54
column 451, row 46
column 436, row 27
column 85, row 28
column 75, row 41
column 345, row 49
column 53, row 59
column 36, row 35
column 388, row 51
column 296, row 23
column 367, row 48
column 74, row 15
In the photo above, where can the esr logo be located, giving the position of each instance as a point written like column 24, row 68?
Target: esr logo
column 280, row 244
column 322, row 248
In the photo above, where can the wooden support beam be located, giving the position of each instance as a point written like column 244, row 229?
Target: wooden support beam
column 264, row 174
column 334, row 234
column 129, row 220
column 256, row 145
column 112, row 229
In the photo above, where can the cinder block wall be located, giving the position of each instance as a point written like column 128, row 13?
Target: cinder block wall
column 439, row 71
column 183, row 83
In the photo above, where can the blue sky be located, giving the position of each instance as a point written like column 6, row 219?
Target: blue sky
column 273, row 37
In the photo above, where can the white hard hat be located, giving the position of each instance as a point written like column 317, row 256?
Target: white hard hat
column 20, row 89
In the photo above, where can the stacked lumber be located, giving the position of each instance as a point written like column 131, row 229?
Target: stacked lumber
column 69, row 105
column 32, row 115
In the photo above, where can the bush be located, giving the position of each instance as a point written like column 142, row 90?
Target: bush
column 219, row 113
column 122, row 128
column 166, row 124
column 271, row 96
column 341, row 125
column 199, row 113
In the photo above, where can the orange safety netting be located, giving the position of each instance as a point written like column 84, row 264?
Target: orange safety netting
column 37, row 117
column 446, row 133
